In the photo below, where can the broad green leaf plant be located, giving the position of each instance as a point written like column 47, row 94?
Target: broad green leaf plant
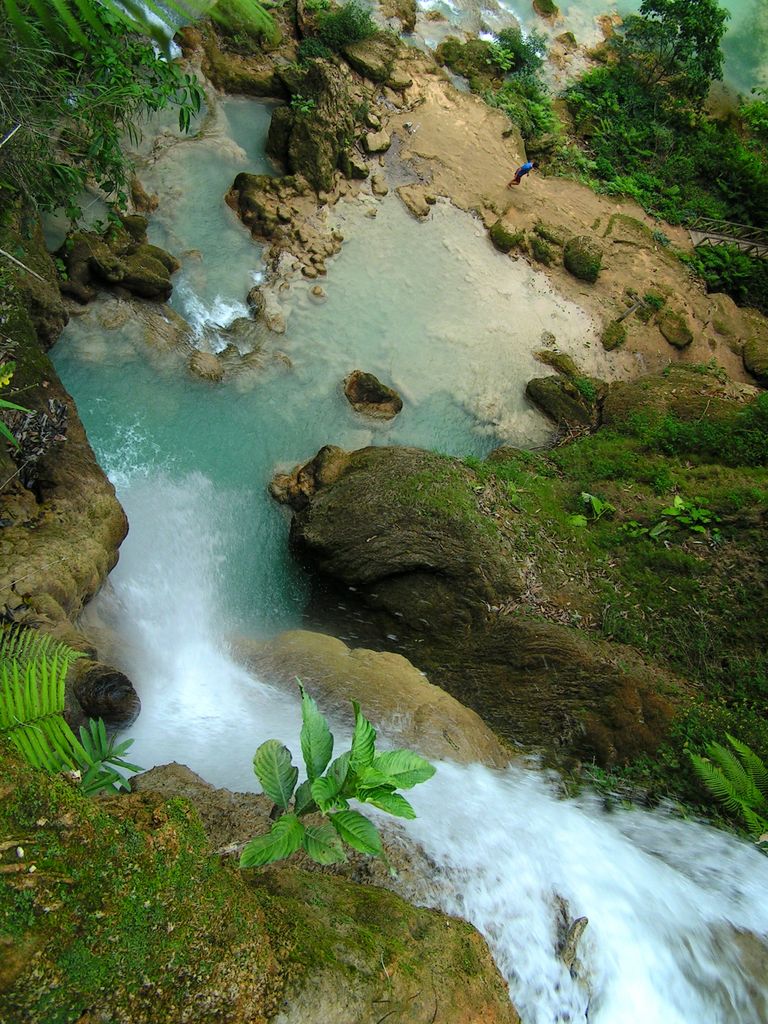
column 358, row 774
column 33, row 671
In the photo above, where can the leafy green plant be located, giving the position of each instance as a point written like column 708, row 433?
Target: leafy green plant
column 33, row 671
column 691, row 515
column 596, row 508
column 359, row 773
column 6, row 376
column 311, row 48
column 302, row 105
column 739, row 781
column 82, row 22
column 345, row 25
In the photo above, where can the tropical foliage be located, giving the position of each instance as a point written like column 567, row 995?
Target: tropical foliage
column 641, row 121
column 76, row 78
column 359, row 773
column 738, row 778
column 33, row 671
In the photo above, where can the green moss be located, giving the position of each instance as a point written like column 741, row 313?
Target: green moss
column 541, row 250
column 559, row 361
column 546, row 8
column 675, row 329
column 583, row 257
column 557, row 236
column 614, row 335
column 504, row 239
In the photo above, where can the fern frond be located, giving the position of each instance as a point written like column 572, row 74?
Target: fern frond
column 756, row 824
column 718, row 784
column 735, row 772
column 755, row 767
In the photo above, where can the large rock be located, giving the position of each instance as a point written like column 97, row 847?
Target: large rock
column 104, row 692
column 117, row 257
column 583, row 257
column 373, row 57
column 675, row 329
column 312, row 143
column 61, row 535
column 440, row 569
column 366, row 394
column 569, row 402
column 211, row 943
column 392, row 693
column 755, row 351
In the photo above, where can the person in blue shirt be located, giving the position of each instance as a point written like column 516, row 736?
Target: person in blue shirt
column 521, row 172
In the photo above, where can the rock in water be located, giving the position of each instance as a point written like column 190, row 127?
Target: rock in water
column 366, row 394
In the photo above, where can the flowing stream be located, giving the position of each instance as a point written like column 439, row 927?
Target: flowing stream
column 432, row 308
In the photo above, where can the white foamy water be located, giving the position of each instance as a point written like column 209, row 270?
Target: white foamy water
column 663, row 897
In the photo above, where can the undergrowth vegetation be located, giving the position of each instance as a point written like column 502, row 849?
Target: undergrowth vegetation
column 666, row 519
column 641, row 120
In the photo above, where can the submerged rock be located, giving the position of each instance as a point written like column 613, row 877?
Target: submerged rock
column 206, row 365
column 366, row 394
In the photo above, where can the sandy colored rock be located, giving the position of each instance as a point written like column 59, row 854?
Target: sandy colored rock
column 414, row 199
column 393, row 694
column 377, row 142
column 206, row 365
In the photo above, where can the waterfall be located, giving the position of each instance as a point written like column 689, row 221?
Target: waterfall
column 671, row 904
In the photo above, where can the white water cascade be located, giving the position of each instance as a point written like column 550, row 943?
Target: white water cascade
column 673, row 906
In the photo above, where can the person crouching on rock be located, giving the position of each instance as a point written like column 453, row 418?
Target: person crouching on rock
column 521, row 172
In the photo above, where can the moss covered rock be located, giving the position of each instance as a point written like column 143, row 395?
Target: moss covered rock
column 503, row 238
column 675, row 328
column 119, row 256
column 568, row 401
column 583, row 257
column 366, row 394
column 175, row 933
column 61, row 534
column 546, row 8
column 614, row 334
column 438, row 564
column 687, row 393
column 472, row 60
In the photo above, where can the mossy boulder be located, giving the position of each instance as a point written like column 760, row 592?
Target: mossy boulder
column 504, row 239
column 367, row 395
column 313, row 143
column 546, row 8
column 541, row 250
column 675, row 328
column 583, row 257
column 568, row 401
column 175, row 932
column 471, row 59
column 560, row 361
column 614, row 335
column 684, row 392
column 117, row 257
column 437, row 565
column 61, row 533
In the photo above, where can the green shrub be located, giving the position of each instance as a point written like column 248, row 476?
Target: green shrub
column 511, row 51
column 725, row 268
column 526, row 102
column 348, row 24
column 311, row 48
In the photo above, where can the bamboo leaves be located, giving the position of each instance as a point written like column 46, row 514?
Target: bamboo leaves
column 357, row 774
